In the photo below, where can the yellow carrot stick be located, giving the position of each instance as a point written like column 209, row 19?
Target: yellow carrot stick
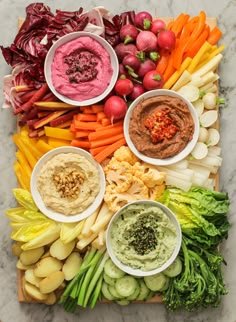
column 19, row 176
column 171, row 81
column 55, row 143
column 205, row 47
column 43, row 146
column 23, row 148
column 58, row 133
column 27, row 141
column 24, row 163
column 53, row 104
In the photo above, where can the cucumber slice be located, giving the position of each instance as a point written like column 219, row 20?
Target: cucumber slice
column 123, row 302
column 144, row 291
column 166, row 285
column 174, row 269
column 112, row 270
column 106, row 293
column 134, row 296
column 114, row 292
column 109, row 280
column 126, row 285
column 155, row 282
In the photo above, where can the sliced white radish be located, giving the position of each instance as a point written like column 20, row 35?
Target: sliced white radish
column 208, row 118
column 200, row 151
column 203, row 135
column 214, row 137
column 191, row 92
column 199, row 106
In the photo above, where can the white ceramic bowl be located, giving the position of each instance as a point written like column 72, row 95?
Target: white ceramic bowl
column 71, row 36
column 139, row 272
column 56, row 215
column 178, row 157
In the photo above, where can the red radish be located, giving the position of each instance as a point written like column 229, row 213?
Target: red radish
column 154, row 55
column 128, row 33
column 123, row 86
column 153, row 80
column 123, row 71
column 146, row 41
column 157, row 26
column 115, row 108
column 131, row 61
column 136, row 92
column 122, row 50
column 145, row 67
column 166, row 40
column 143, row 20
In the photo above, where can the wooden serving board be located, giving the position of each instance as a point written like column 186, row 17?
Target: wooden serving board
column 212, row 22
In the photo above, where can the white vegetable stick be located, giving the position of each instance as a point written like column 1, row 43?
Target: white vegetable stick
column 209, row 77
column 101, row 238
column 212, row 169
column 100, row 224
column 212, row 89
column 179, row 183
column 89, row 221
column 95, row 243
column 102, row 212
column 197, row 81
column 200, row 170
column 179, row 165
column 210, row 161
column 214, row 150
column 210, row 184
column 176, row 174
column 206, row 87
column 211, row 65
column 198, row 180
column 82, row 243
column 183, row 80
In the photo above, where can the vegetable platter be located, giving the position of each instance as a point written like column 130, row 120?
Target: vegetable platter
column 67, row 263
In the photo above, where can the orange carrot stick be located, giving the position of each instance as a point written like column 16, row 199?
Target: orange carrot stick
column 87, row 117
column 170, row 68
column 97, row 135
column 162, row 63
column 179, row 23
column 97, row 108
column 110, row 126
column 100, row 116
column 97, row 143
column 214, row 36
column 90, row 126
column 192, row 50
column 109, row 150
column 97, row 150
column 72, row 128
column 105, row 121
column 86, row 110
column 80, row 144
column 82, row 134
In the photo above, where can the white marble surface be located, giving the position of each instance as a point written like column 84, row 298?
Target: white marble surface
column 10, row 309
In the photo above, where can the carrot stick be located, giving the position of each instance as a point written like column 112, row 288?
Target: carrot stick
column 179, row 23
column 214, row 36
column 80, row 144
column 87, row 110
column 110, row 126
column 72, row 128
column 64, row 125
column 97, row 108
column 36, row 97
column 97, row 143
column 105, row 121
column 109, row 150
column 170, row 68
column 105, row 133
column 90, row 126
column 205, row 47
column 82, row 134
column 100, row 116
column 162, row 63
column 87, row 117
column 175, row 76
column 97, row 150
column 192, row 51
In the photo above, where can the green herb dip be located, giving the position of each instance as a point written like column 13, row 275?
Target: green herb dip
column 143, row 237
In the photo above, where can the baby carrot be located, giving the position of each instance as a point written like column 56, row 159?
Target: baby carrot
column 109, row 150
column 105, row 133
column 80, row 143
column 109, row 140
column 214, row 36
column 97, row 150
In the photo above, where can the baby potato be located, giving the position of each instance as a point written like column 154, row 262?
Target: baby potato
column 26, row 296
column 51, row 282
column 21, row 266
column 72, row 265
column 16, row 249
column 47, row 266
column 34, row 292
column 29, row 257
column 51, row 299
column 32, row 278
column 60, row 250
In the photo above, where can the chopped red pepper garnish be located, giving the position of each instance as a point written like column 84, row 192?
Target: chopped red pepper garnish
column 161, row 125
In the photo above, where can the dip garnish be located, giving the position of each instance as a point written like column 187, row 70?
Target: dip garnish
column 68, row 183
column 143, row 236
column 82, row 66
column 160, row 125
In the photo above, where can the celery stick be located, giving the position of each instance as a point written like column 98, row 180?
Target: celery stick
column 96, row 292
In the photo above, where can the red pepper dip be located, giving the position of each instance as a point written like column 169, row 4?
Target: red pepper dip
column 161, row 127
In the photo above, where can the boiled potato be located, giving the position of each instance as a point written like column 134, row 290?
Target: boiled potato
column 51, row 282
column 60, row 250
column 46, row 254
column 72, row 265
column 47, row 266
column 29, row 257
column 51, row 299
column 16, row 249
column 26, row 296
column 34, row 292
column 21, row 266
column 32, row 278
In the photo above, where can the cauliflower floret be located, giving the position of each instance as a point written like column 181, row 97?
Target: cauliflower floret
column 118, row 173
column 125, row 154
column 148, row 174
column 155, row 192
column 115, row 200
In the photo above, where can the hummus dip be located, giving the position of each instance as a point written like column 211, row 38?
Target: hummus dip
column 68, row 183
column 161, row 126
column 81, row 69
column 143, row 237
